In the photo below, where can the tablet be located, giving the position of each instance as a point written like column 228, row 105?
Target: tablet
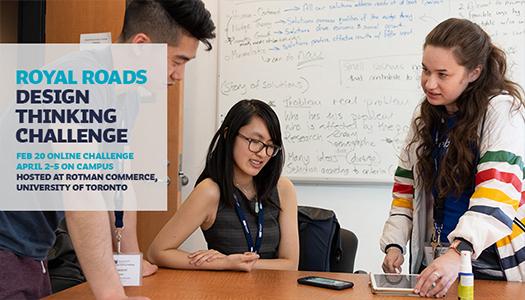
column 393, row 283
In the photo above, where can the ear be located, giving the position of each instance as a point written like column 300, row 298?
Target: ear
column 474, row 74
column 140, row 38
column 225, row 131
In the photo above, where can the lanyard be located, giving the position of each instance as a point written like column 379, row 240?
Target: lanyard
column 439, row 210
column 119, row 214
column 119, row 226
column 438, row 155
column 246, row 229
column 441, row 148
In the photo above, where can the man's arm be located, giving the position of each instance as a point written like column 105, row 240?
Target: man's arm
column 90, row 233
column 130, row 243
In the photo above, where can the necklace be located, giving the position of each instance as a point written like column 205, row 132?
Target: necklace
column 243, row 189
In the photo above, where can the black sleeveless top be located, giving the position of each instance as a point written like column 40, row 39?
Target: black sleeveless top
column 226, row 235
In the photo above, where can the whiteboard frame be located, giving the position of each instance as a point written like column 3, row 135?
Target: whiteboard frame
column 339, row 181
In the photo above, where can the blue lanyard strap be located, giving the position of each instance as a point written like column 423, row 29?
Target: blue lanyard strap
column 246, row 229
column 119, row 225
column 438, row 212
column 119, row 219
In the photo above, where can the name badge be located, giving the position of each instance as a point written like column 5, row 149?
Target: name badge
column 129, row 268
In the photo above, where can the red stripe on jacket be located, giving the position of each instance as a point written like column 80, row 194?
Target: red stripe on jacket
column 403, row 188
column 500, row 176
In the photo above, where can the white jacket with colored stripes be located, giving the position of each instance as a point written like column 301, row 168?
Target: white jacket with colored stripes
column 496, row 212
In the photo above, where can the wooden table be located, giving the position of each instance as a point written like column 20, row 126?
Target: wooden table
column 267, row 284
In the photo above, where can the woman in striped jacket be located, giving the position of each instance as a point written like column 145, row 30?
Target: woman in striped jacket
column 460, row 179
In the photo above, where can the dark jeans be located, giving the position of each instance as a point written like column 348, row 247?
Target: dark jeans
column 22, row 277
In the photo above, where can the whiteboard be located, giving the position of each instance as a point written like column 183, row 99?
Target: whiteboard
column 343, row 76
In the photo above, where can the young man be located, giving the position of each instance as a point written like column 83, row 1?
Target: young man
column 26, row 237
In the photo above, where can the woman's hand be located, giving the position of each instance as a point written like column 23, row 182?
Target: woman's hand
column 148, row 268
column 437, row 278
column 393, row 260
column 242, row 262
column 197, row 258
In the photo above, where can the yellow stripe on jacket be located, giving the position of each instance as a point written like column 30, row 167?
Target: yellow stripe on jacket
column 401, row 202
column 496, row 195
column 516, row 231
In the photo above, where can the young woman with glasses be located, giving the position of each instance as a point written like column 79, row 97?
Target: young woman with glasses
column 246, row 210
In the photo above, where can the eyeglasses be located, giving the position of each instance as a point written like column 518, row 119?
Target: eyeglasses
column 256, row 146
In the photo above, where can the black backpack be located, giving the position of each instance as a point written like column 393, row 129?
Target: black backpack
column 319, row 239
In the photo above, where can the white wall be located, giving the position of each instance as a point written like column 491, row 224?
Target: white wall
column 360, row 208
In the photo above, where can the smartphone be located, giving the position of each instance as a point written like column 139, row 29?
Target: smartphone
column 329, row 283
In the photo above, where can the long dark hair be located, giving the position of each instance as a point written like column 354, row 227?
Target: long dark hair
column 219, row 161
column 471, row 47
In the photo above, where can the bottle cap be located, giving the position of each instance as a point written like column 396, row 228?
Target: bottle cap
column 466, row 262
